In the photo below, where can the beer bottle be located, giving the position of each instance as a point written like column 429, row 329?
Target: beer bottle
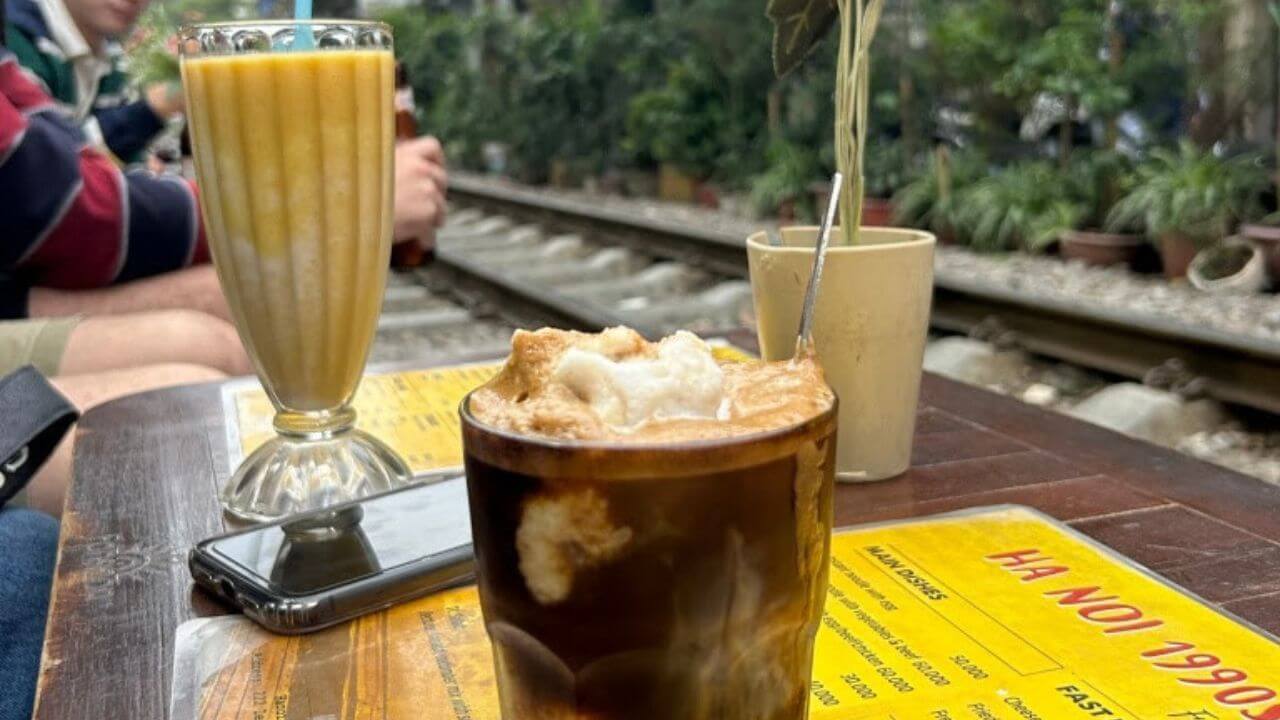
column 406, row 254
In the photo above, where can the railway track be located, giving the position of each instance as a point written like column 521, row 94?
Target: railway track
column 503, row 264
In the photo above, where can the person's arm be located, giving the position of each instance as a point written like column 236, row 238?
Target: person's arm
column 69, row 218
column 421, row 183
column 128, row 129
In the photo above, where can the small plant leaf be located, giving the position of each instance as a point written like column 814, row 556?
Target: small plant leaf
column 798, row 27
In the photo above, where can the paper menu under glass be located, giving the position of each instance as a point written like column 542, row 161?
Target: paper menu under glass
column 999, row 613
column 415, row 412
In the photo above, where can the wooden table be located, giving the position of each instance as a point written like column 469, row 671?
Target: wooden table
column 147, row 469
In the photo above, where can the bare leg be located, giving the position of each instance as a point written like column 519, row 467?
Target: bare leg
column 189, row 289
column 48, row 488
column 113, row 342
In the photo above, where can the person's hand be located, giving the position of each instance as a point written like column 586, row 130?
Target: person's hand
column 165, row 99
column 421, row 182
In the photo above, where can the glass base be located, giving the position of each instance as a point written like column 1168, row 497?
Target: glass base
column 289, row 475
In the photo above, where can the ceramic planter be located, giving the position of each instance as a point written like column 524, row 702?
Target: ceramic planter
column 1100, row 249
column 1234, row 267
column 870, row 328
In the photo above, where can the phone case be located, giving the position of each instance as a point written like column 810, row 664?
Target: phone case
column 297, row 614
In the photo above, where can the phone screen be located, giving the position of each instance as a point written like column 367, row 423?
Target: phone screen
column 324, row 550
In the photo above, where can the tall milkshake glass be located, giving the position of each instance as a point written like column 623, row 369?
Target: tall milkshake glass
column 292, row 131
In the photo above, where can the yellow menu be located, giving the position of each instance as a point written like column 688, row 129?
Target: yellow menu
column 415, row 411
column 994, row 614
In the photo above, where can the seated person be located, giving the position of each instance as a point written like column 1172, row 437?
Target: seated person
column 70, row 219
column 73, row 225
column 70, row 47
column 80, row 236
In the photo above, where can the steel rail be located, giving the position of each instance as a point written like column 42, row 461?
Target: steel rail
column 488, row 293
column 1236, row 369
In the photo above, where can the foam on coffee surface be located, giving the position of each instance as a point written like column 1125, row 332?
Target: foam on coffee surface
column 617, row 386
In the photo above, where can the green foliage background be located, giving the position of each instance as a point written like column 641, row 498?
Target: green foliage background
column 583, row 88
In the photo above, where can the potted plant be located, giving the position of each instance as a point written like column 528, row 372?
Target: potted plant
column 1188, row 198
column 931, row 200
column 1022, row 207
column 886, row 170
column 873, row 311
column 1098, row 180
column 782, row 189
column 679, row 125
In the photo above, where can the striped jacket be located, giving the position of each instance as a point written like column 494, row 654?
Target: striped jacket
column 69, row 217
column 112, row 116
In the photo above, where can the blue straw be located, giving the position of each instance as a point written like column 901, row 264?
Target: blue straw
column 303, row 39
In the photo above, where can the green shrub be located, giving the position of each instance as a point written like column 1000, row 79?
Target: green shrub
column 887, row 168
column 1192, row 192
column 1097, row 179
column 932, row 200
column 791, row 172
column 682, row 122
column 602, row 85
column 457, row 66
column 1025, row 206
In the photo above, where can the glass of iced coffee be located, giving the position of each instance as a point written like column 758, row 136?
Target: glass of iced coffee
column 292, row 131
column 652, row 527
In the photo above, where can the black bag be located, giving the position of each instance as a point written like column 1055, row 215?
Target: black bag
column 33, row 418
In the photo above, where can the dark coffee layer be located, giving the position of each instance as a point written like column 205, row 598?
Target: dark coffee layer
column 688, row 597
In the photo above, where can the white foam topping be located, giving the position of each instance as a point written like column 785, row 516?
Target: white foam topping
column 683, row 381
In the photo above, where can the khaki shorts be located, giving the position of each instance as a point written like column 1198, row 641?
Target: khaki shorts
column 34, row 342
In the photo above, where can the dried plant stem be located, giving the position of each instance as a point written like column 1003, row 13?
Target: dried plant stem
column 858, row 22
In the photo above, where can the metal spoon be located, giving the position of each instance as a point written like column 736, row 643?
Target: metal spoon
column 804, row 341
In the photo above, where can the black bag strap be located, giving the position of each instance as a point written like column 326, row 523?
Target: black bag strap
column 33, row 418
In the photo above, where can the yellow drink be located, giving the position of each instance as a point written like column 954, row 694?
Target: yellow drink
column 293, row 153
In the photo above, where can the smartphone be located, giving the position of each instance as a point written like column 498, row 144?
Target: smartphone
column 311, row 571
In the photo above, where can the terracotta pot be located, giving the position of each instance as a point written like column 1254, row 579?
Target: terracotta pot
column 1176, row 253
column 1268, row 238
column 707, row 195
column 675, row 185
column 1100, row 249
column 876, row 212
column 870, row 327
column 787, row 211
